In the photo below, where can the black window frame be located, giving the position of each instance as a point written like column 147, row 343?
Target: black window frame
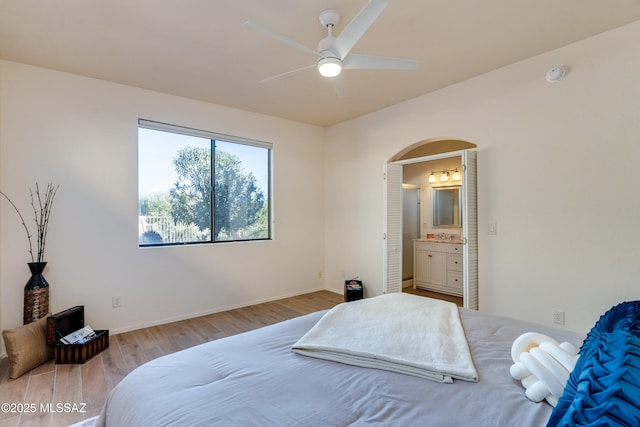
column 214, row 137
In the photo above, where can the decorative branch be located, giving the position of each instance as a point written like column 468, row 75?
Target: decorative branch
column 23, row 224
column 41, row 216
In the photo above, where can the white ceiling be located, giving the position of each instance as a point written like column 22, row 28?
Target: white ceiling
column 199, row 48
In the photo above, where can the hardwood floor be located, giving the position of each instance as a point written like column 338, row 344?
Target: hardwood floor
column 88, row 385
column 436, row 295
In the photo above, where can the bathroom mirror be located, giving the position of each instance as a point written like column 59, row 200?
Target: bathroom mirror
column 447, row 212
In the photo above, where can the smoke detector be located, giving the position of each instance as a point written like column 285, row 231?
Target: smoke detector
column 556, row 74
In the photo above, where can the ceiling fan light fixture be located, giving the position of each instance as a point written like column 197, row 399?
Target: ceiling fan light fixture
column 329, row 67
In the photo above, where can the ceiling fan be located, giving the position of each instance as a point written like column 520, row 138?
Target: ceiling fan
column 334, row 52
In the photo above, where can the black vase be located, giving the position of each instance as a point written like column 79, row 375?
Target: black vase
column 36, row 294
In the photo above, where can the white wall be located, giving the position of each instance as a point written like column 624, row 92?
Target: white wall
column 565, row 241
column 556, row 171
column 82, row 134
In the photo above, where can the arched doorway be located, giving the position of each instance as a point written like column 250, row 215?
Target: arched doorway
column 422, row 152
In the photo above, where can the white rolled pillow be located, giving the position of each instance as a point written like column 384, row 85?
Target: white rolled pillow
column 542, row 365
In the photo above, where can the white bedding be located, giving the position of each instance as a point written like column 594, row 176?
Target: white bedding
column 397, row 332
column 254, row 379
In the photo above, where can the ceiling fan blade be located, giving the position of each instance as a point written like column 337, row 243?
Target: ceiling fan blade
column 339, row 86
column 279, row 37
column 358, row 26
column 370, row 62
column 278, row 76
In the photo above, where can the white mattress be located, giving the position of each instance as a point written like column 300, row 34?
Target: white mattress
column 254, row 379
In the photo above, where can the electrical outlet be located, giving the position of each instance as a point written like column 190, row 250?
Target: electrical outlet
column 319, row 274
column 116, row 301
column 558, row 317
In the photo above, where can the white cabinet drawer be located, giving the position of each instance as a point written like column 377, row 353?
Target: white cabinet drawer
column 454, row 281
column 428, row 246
column 454, row 262
column 454, row 249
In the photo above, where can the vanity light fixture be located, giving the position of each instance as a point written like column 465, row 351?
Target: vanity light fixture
column 445, row 175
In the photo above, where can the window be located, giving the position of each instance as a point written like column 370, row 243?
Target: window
column 196, row 186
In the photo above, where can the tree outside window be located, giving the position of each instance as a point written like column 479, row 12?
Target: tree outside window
column 194, row 189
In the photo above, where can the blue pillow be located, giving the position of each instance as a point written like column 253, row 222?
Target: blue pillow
column 624, row 316
column 604, row 387
column 605, row 390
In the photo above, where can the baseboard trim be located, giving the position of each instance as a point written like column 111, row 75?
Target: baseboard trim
column 207, row 312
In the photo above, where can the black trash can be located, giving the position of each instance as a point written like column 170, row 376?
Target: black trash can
column 353, row 290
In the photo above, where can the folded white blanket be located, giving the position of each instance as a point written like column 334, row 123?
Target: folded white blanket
column 396, row 332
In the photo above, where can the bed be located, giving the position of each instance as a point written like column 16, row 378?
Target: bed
column 255, row 378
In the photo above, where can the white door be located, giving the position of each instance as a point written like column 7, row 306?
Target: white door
column 470, row 229
column 437, row 268
column 421, row 267
column 392, row 234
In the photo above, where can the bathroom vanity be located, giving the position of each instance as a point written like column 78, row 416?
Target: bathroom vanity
column 437, row 266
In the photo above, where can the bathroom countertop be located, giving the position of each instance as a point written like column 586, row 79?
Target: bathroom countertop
column 452, row 241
